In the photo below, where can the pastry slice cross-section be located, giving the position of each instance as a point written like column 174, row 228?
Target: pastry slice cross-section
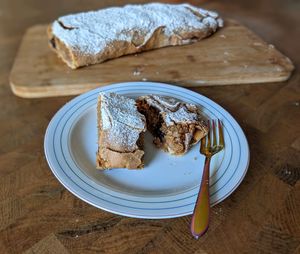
column 120, row 133
column 175, row 125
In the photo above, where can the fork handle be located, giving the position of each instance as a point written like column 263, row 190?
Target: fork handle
column 200, row 219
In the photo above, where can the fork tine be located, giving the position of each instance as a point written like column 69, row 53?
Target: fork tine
column 214, row 133
column 221, row 135
column 208, row 135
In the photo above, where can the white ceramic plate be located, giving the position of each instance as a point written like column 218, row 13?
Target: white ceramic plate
column 168, row 185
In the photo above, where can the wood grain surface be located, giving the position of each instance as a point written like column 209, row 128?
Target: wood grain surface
column 233, row 55
column 38, row 215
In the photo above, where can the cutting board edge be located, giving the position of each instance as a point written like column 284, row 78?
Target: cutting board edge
column 39, row 92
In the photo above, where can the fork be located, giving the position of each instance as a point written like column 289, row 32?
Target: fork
column 200, row 219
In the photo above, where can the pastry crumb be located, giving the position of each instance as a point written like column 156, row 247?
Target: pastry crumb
column 257, row 44
column 136, row 73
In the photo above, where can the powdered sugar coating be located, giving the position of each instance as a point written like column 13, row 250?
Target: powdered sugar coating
column 121, row 121
column 182, row 115
column 92, row 32
column 173, row 110
column 167, row 102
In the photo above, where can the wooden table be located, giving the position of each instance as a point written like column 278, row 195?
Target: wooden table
column 38, row 215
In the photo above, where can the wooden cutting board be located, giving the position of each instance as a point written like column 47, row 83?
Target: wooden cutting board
column 233, row 55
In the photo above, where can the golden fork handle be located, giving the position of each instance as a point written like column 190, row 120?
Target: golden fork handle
column 200, row 219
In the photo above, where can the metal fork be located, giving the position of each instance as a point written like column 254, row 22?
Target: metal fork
column 200, row 219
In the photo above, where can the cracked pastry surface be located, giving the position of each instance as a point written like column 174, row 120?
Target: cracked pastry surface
column 120, row 132
column 93, row 37
column 175, row 125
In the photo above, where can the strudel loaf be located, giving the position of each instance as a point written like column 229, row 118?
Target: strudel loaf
column 93, row 37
